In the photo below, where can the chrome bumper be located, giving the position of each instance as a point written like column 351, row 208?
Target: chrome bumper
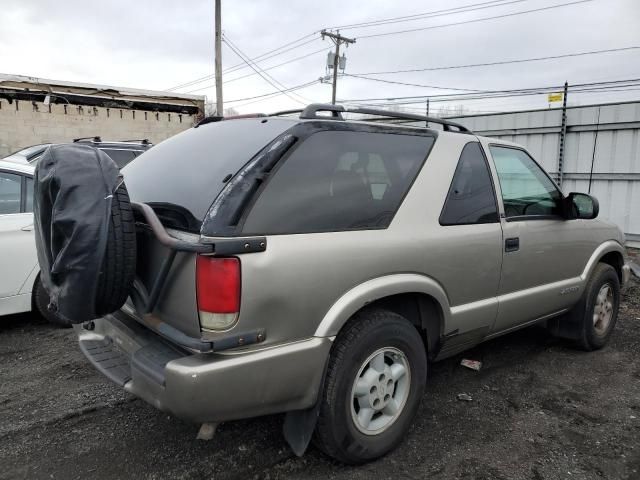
column 210, row 387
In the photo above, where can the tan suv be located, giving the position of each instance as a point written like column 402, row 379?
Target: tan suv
column 314, row 265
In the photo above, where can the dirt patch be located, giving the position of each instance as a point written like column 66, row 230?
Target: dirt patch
column 540, row 410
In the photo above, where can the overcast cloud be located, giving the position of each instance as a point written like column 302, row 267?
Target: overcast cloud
column 155, row 45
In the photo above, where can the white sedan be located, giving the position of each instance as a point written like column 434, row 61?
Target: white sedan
column 20, row 288
column 18, row 260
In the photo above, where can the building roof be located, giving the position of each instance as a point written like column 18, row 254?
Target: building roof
column 20, row 87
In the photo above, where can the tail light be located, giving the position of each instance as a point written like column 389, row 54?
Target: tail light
column 218, row 291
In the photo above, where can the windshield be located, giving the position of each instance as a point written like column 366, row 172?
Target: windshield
column 186, row 172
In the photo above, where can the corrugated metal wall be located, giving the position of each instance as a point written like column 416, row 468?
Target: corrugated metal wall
column 605, row 137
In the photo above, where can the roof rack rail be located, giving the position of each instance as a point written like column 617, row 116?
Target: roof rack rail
column 311, row 112
column 143, row 141
column 245, row 115
column 93, row 139
column 286, row 112
column 210, row 119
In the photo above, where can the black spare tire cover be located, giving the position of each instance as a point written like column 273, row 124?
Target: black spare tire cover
column 85, row 232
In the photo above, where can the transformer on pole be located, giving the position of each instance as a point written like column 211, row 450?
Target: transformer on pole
column 336, row 62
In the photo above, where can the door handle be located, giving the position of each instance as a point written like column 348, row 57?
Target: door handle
column 27, row 228
column 512, row 244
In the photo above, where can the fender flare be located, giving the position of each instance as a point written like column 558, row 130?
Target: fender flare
column 375, row 289
column 602, row 249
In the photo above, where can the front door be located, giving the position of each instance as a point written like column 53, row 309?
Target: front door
column 17, row 245
column 543, row 254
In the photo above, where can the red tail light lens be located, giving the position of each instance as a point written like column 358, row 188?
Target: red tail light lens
column 218, row 291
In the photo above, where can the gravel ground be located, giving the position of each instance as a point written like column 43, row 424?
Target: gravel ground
column 540, row 410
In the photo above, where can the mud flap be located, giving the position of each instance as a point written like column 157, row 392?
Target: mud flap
column 299, row 425
column 565, row 326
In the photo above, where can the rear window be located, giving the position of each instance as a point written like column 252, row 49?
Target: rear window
column 186, row 172
column 339, row 180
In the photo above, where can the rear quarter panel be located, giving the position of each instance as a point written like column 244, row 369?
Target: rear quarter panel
column 289, row 289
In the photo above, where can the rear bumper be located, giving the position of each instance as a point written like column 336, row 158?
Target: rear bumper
column 209, row 387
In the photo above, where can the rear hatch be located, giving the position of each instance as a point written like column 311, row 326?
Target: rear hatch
column 180, row 178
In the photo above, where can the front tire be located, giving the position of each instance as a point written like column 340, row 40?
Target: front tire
column 375, row 379
column 590, row 323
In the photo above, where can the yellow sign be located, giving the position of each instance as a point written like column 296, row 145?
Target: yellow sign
column 555, row 97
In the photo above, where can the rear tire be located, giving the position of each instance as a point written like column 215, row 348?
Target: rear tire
column 590, row 323
column 375, row 380
column 41, row 302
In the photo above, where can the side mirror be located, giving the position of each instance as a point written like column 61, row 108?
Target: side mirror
column 581, row 205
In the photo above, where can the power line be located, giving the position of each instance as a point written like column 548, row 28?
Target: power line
column 475, row 20
column 502, row 93
column 262, row 69
column 265, row 76
column 410, row 84
column 279, row 64
column 431, row 14
column 497, row 108
column 258, row 69
column 276, row 93
column 262, row 56
column 259, row 58
column 505, row 62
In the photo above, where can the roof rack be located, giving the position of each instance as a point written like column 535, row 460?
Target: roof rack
column 93, row 139
column 311, row 112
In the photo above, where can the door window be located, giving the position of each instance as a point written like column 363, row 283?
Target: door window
column 10, row 189
column 526, row 189
column 471, row 198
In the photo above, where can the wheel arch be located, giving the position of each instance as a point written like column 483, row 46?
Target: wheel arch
column 616, row 260
column 418, row 298
column 609, row 252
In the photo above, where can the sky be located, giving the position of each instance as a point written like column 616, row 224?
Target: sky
column 157, row 45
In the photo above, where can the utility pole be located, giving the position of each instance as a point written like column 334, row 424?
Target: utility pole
column 218, row 38
column 563, row 134
column 337, row 40
column 426, row 123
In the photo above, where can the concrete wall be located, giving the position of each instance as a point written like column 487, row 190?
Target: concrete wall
column 23, row 123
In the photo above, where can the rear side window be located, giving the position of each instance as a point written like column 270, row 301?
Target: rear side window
column 471, row 198
column 339, row 180
column 121, row 157
column 10, row 191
